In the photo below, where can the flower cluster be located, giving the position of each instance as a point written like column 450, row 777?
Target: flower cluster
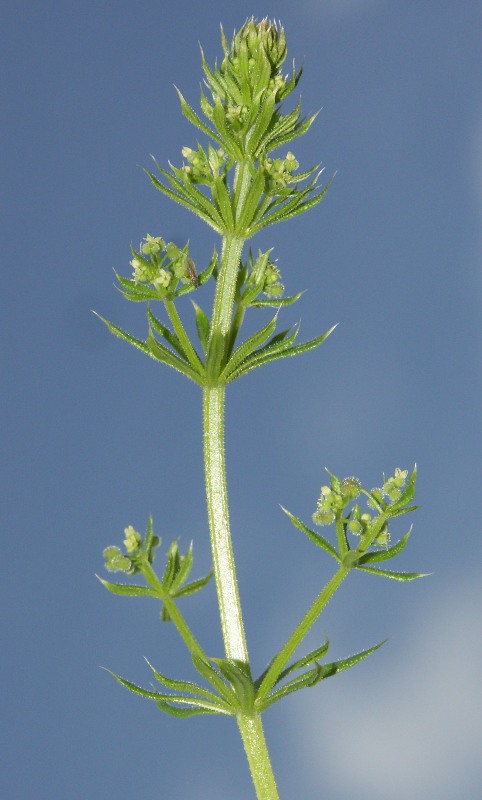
column 334, row 498
column 278, row 172
column 162, row 265
column 259, row 277
column 203, row 167
column 130, row 562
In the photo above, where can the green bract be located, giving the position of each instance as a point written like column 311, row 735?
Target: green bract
column 235, row 182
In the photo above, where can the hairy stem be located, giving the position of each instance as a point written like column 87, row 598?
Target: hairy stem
column 250, row 726
column 218, row 516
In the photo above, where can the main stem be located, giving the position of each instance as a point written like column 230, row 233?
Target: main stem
column 250, row 725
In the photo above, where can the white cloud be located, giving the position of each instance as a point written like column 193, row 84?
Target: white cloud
column 413, row 731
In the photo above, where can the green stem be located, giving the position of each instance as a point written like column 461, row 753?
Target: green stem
column 218, row 516
column 218, row 511
column 281, row 660
column 252, row 734
column 183, row 628
column 250, row 726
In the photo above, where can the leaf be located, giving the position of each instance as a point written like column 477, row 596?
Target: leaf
column 194, row 586
column 315, row 655
column 247, row 347
column 209, row 673
column 223, row 202
column 384, row 555
column 168, row 335
column 266, row 356
column 289, row 209
column 264, row 118
column 319, row 540
column 181, row 713
column 182, row 686
column 203, row 326
column 183, row 570
column 308, row 679
column 210, row 218
column 140, row 345
column 165, row 356
column 250, row 202
column 194, row 119
column 396, row 576
column 283, row 301
column 128, row 590
column 346, row 663
column 197, row 708
column 239, row 676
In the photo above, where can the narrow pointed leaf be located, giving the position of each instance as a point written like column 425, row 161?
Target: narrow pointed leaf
column 384, row 555
column 203, row 326
column 223, row 202
column 213, row 677
column 315, row 655
column 194, row 586
column 264, row 118
column 396, row 576
column 182, row 686
column 185, row 567
column 210, row 219
column 319, row 540
column 165, row 356
column 250, row 203
column 197, row 708
column 140, row 345
column 164, row 331
column 276, row 302
column 194, row 119
column 308, row 679
column 245, row 349
column 128, row 590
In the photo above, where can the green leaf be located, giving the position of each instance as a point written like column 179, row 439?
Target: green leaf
column 279, row 351
column 150, row 541
column 396, row 576
column 210, row 218
column 239, row 676
column 229, row 142
column 250, row 202
column 315, row 655
column 290, row 209
column 346, row 663
column 140, row 345
column 182, row 686
column 165, row 356
column 212, row 676
column 247, row 347
column 308, row 679
column 128, row 590
column 194, row 119
column 197, row 708
column 264, row 118
column 194, row 586
column 319, row 540
column 183, row 569
column 283, row 301
column 149, row 695
column 203, row 326
column 223, row 202
column 384, row 555
column 168, row 335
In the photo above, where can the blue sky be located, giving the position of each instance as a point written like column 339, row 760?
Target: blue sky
column 96, row 437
